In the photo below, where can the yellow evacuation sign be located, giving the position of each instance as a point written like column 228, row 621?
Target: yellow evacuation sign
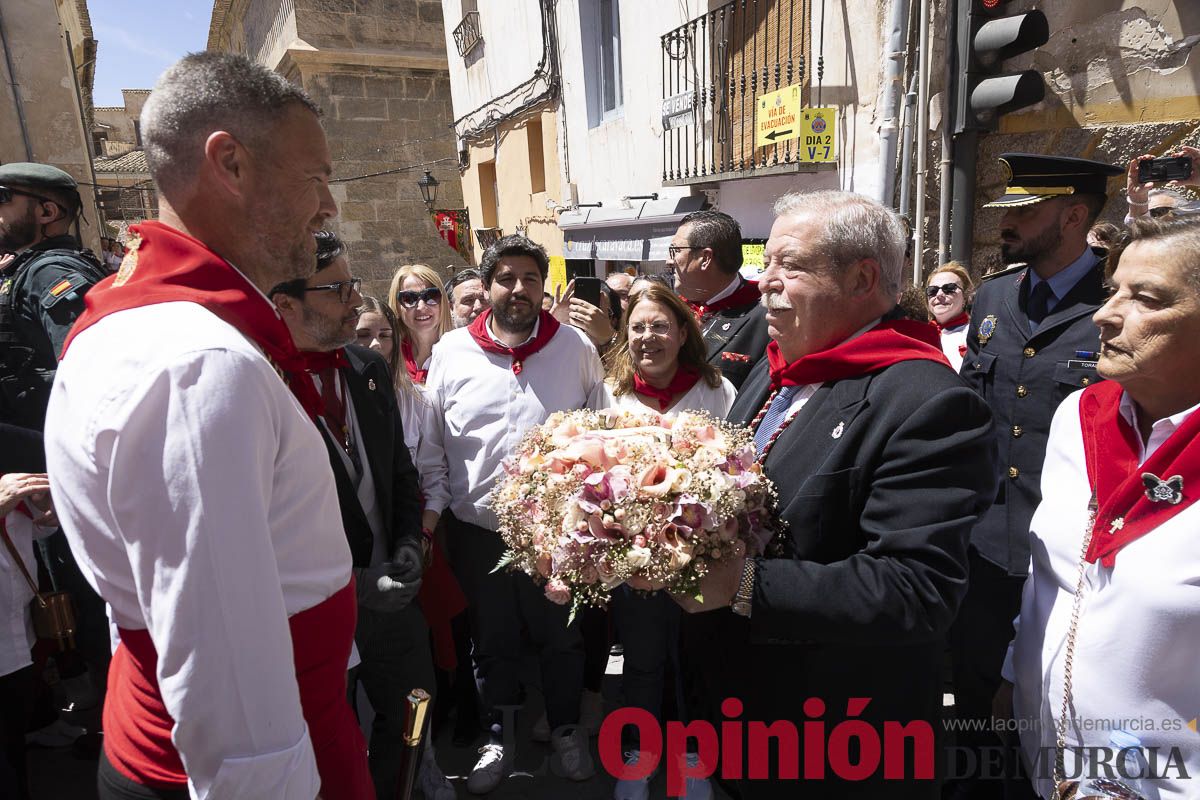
column 558, row 275
column 778, row 117
column 819, row 134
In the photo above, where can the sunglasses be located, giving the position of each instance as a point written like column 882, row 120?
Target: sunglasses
column 946, row 288
column 345, row 289
column 430, row 297
column 7, row 192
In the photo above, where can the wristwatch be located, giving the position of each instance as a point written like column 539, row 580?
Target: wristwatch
column 743, row 600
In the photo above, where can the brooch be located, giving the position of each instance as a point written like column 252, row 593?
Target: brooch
column 1160, row 491
column 987, row 328
column 371, row 384
column 731, row 356
column 837, row 432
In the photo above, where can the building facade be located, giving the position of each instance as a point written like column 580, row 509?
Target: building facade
column 378, row 70
column 124, row 188
column 47, row 69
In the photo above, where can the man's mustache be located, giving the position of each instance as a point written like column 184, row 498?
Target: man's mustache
column 775, row 301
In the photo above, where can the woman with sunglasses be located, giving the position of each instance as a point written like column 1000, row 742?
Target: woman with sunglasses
column 657, row 363
column 423, row 315
column 947, row 291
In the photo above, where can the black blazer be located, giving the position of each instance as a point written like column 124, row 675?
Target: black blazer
column 1023, row 377
column 880, row 478
column 735, row 340
column 21, row 449
column 396, row 485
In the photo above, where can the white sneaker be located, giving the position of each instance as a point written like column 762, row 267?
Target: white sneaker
column 541, row 730
column 591, row 712
column 571, row 758
column 633, row 789
column 433, row 782
column 489, row 770
column 696, row 788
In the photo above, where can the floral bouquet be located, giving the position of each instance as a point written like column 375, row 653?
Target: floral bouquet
column 594, row 499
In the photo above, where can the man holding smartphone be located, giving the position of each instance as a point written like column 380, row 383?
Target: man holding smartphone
column 1150, row 184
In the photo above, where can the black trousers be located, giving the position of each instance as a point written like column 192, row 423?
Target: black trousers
column 16, row 708
column 112, row 785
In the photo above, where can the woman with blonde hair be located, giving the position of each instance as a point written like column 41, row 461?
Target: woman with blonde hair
column 948, row 291
column 422, row 316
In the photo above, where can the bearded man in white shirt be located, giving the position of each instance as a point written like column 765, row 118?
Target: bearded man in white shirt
column 489, row 383
column 195, row 489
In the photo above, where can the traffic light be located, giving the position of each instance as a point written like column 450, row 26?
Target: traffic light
column 986, row 38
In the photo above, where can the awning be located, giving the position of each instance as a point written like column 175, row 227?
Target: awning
column 642, row 232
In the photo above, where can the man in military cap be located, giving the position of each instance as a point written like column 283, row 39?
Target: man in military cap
column 1031, row 343
column 41, row 287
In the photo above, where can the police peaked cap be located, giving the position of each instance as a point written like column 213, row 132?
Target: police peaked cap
column 1033, row 178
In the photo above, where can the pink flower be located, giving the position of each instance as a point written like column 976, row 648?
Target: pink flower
column 639, row 540
column 658, row 480
column 558, row 592
column 589, row 574
column 543, row 565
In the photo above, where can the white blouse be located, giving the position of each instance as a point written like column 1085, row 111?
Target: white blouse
column 199, row 501
column 16, row 620
column 954, row 343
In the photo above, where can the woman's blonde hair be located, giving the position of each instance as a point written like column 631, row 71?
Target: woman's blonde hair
column 691, row 354
column 959, row 270
column 432, row 280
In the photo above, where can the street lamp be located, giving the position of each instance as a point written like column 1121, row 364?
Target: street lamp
column 428, row 186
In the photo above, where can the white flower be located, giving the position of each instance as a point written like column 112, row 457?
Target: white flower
column 638, row 557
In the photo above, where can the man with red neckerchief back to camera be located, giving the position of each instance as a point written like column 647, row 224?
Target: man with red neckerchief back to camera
column 883, row 459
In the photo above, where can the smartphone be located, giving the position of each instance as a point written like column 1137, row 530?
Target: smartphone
column 588, row 290
column 1161, row 170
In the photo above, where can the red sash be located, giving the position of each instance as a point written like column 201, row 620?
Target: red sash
column 1124, row 495
column 547, row 327
column 886, row 344
column 415, row 372
column 961, row 319
column 744, row 295
column 165, row 265
column 137, row 727
column 682, row 383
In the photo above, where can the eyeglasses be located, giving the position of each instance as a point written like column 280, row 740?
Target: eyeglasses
column 7, row 192
column 657, row 328
column 345, row 289
column 674, row 250
column 430, row 297
column 946, row 288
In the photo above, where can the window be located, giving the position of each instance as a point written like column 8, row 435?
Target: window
column 488, row 199
column 600, row 24
column 537, row 158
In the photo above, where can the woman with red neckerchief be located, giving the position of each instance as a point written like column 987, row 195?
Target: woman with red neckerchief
column 423, row 314
column 1109, row 627
column 949, row 292
column 657, row 363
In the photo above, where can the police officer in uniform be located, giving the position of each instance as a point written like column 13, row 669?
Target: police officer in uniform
column 41, row 287
column 44, row 274
column 1031, row 342
column 706, row 254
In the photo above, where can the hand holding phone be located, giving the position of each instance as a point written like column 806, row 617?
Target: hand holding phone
column 1163, row 170
column 588, row 290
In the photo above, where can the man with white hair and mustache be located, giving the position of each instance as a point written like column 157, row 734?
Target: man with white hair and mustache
column 882, row 459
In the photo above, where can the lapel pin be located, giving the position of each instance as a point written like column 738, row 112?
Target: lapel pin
column 1160, row 491
column 1116, row 525
column 987, row 328
column 837, row 432
column 726, row 326
column 371, row 384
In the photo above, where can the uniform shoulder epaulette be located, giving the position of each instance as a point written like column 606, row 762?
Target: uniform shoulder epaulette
column 1003, row 272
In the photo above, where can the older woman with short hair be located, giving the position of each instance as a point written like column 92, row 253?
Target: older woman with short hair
column 948, row 291
column 1109, row 628
column 422, row 313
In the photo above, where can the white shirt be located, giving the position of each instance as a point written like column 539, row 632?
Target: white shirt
column 1138, row 640
column 481, row 411
column 16, row 620
column 716, row 400
column 953, row 340
column 199, row 502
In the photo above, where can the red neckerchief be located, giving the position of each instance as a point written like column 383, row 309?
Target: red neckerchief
column 417, row 374
column 745, row 294
column 961, row 319
column 164, row 266
column 547, row 327
column 685, row 378
column 886, row 344
column 315, row 361
column 1125, row 510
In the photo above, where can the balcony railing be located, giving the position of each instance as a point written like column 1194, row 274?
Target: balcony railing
column 717, row 65
column 468, row 33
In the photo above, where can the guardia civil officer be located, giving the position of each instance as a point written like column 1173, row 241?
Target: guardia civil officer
column 1031, row 342
column 41, row 288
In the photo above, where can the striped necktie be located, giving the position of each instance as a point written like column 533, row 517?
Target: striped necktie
column 776, row 414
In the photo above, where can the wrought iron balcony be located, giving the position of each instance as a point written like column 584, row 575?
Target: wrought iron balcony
column 468, row 33
column 714, row 68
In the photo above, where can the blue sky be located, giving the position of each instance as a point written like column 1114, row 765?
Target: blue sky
column 141, row 38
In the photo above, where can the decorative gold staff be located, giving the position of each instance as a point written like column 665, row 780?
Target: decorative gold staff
column 414, row 730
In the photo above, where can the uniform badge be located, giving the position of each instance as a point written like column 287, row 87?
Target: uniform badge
column 1160, row 491
column 837, row 432
column 987, row 328
column 726, row 326
column 129, row 263
column 371, row 384
column 5, row 285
